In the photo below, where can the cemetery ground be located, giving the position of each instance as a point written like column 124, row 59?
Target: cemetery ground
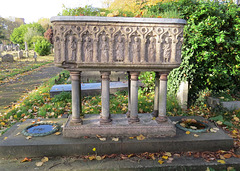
column 38, row 105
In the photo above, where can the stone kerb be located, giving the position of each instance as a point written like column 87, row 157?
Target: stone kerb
column 108, row 44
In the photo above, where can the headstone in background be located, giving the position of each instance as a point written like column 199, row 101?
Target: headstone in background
column 26, row 46
column 9, row 48
column 27, row 54
column 20, row 54
column 7, row 58
column 1, row 47
column 35, row 56
column 182, row 94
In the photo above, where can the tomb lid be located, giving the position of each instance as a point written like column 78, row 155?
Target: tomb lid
column 117, row 19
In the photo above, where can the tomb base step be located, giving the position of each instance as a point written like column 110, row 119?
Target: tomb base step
column 119, row 126
column 13, row 144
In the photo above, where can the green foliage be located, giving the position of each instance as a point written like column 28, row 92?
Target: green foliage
column 18, row 34
column 43, row 47
column 148, row 79
column 211, row 49
column 88, row 10
column 31, row 32
column 63, row 96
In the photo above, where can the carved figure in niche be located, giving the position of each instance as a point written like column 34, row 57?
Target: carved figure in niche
column 58, row 49
column 119, row 49
column 88, row 50
column 104, row 49
column 72, row 48
column 179, row 50
column 166, row 50
column 151, row 50
column 136, row 49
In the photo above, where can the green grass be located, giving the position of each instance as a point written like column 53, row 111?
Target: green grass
column 20, row 66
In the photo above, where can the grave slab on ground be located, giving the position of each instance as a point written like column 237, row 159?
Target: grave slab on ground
column 13, row 144
column 90, row 89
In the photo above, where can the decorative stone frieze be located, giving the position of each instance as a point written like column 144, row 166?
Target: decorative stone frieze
column 94, row 42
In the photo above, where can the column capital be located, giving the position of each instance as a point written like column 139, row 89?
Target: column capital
column 105, row 75
column 163, row 77
column 75, row 75
column 134, row 75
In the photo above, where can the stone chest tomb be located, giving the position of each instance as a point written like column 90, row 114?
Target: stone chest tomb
column 105, row 44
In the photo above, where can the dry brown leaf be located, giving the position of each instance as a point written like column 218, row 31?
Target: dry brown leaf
column 98, row 158
column 44, row 159
column 92, row 157
column 221, row 161
column 29, row 137
column 168, row 154
column 140, row 137
column 26, row 160
column 160, row 161
column 115, row 139
column 102, row 139
column 165, row 157
column 196, row 135
column 57, row 133
column 39, row 164
column 130, row 155
column 227, row 156
column 99, row 136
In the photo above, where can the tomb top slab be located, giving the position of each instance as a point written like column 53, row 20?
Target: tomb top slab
column 117, row 19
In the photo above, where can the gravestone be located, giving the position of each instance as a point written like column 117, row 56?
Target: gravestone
column 35, row 56
column 27, row 54
column 182, row 94
column 1, row 47
column 9, row 48
column 7, row 58
column 26, row 46
column 20, row 54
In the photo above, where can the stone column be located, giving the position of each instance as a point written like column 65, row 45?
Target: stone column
column 162, row 99
column 105, row 114
column 134, row 97
column 156, row 103
column 129, row 95
column 76, row 98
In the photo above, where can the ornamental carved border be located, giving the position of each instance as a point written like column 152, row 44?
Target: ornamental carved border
column 122, row 43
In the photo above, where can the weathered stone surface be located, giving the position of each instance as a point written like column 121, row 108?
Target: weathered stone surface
column 215, row 102
column 20, row 54
column 7, row 58
column 120, row 127
column 105, row 43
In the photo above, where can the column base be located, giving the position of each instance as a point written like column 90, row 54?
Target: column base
column 105, row 121
column 76, row 122
column 128, row 114
column 134, row 120
column 155, row 113
column 161, row 119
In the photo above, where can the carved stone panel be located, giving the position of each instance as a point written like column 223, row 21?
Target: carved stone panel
column 139, row 43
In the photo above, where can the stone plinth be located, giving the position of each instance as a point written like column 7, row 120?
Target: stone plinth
column 120, row 127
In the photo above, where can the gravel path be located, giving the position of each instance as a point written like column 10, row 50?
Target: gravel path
column 10, row 92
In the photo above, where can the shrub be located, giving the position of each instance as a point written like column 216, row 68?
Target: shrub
column 43, row 47
column 211, row 49
column 31, row 32
column 18, row 34
column 49, row 35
